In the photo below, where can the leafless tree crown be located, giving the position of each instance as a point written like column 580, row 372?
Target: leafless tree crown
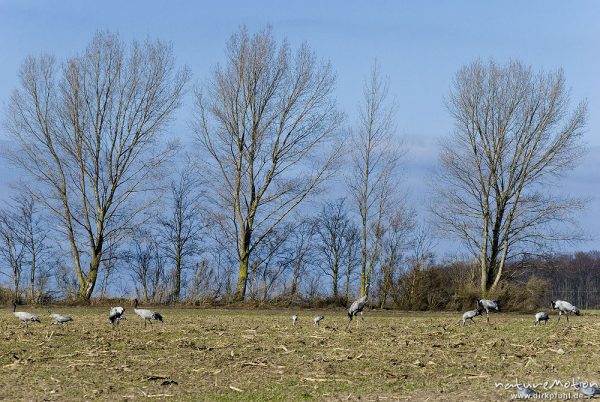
column 514, row 133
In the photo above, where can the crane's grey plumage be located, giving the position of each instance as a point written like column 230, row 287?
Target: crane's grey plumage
column 565, row 308
column 115, row 315
column 526, row 393
column 24, row 316
column 59, row 319
column 488, row 305
column 146, row 315
column 586, row 389
column 357, row 307
column 469, row 315
column 541, row 316
column 317, row 320
column 294, row 319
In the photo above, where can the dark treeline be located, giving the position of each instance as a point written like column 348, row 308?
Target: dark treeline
column 277, row 196
column 530, row 284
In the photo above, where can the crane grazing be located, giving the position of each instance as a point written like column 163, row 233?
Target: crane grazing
column 294, row 319
column 24, row 316
column 115, row 315
column 586, row 389
column 357, row 307
column 146, row 315
column 488, row 305
column 59, row 319
column 526, row 393
column 565, row 308
column 469, row 315
column 541, row 316
column 317, row 320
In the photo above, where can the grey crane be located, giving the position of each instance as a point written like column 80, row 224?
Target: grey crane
column 294, row 319
column 317, row 320
column 587, row 389
column 357, row 307
column 488, row 305
column 565, row 308
column 24, row 316
column 469, row 315
column 146, row 315
column 116, row 314
column 525, row 392
column 541, row 316
column 59, row 319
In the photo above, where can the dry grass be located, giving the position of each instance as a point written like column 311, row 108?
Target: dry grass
column 258, row 355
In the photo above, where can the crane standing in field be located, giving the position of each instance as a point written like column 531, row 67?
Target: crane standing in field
column 565, row 308
column 469, row 315
column 488, row 305
column 59, row 319
column 146, row 315
column 24, row 316
column 294, row 320
column 357, row 307
column 541, row 316
column 115, row 315
column 317, row 320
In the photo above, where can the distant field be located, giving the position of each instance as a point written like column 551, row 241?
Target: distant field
column 257, row 355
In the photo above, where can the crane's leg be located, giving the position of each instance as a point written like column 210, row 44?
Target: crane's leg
column 559, row 314
column 567, row 315
column 145, row 323
column 362, row 316
column 349, row 322
column 487, row 316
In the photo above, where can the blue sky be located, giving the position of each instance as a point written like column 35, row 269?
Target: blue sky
column 419, row 44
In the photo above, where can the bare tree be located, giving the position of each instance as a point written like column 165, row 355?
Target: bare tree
column 374, row 161
column 334, row 233
column 352, row 261
column 87, row 131
column 514, row 134
column 33, row 234
column 23, row 242
column 269, row 262
column 181, row 228
column 264, row 119
column 300, row 253
column 400, row 224
column 110, row 261
column 147, row 268
column 12, row 249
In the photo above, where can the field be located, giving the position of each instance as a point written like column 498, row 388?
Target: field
column 208, row 354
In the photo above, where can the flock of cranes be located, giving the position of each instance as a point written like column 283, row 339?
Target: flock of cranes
column 562, row 306
column 116, row 314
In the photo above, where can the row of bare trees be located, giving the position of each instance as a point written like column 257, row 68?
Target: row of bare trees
column 251, row 212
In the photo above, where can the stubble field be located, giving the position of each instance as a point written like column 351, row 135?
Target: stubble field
column 208, row 354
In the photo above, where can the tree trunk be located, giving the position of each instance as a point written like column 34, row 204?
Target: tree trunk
column 335, row 284
column 240, row 292
column 32, row 279
column 177, row 290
